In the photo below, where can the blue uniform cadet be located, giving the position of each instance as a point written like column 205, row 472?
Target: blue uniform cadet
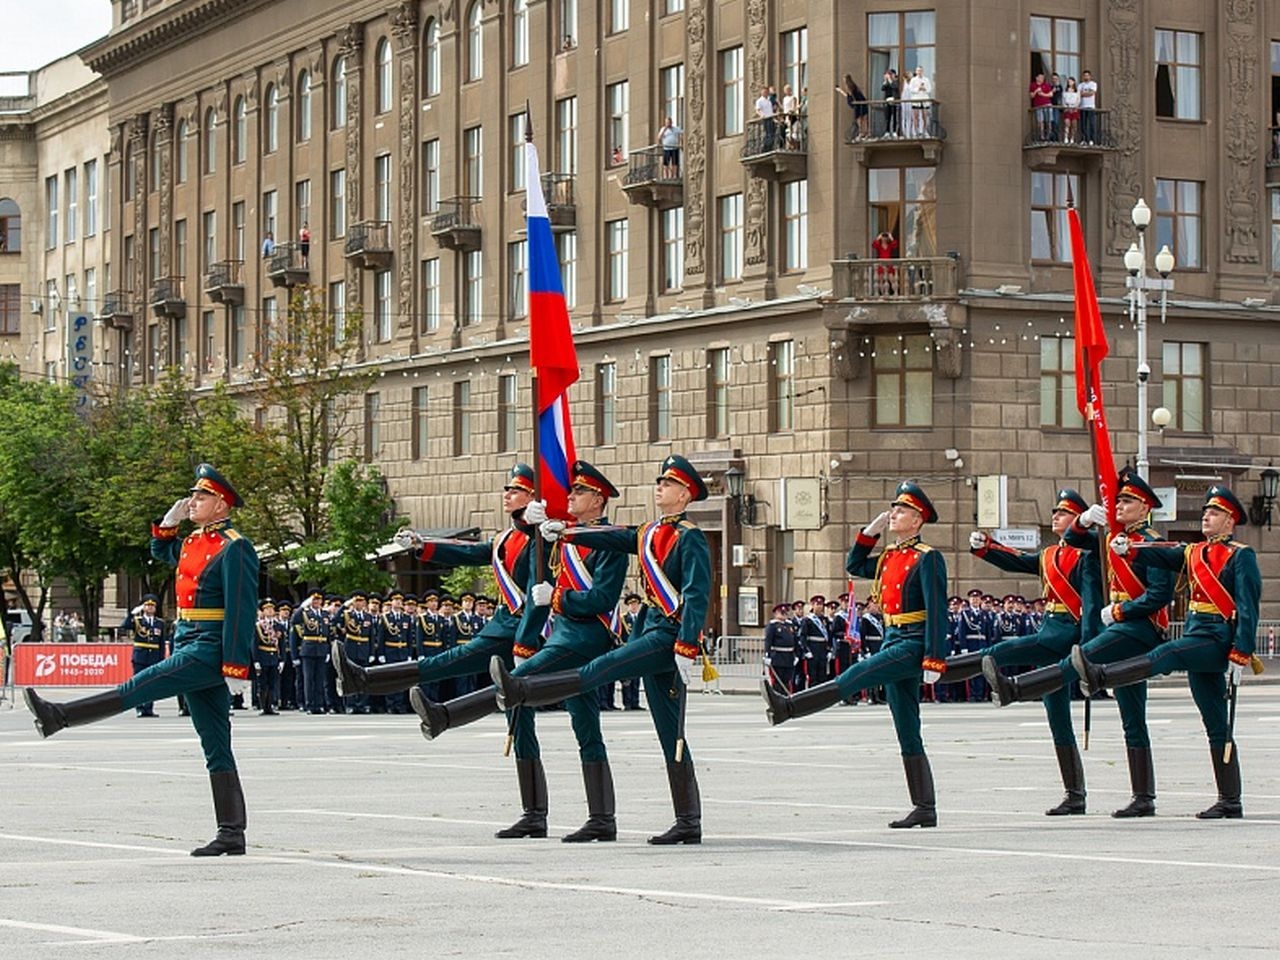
column 147, row 633
column 675, row 565
column 358, row 628
column 780, row 648
column 909, row 582
column 268, row 635
column 217, row 592
column 1224, row 589
column 309, row 640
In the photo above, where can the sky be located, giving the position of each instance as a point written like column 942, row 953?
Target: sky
column 37, row 32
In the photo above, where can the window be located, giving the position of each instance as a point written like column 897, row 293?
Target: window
column 180, row 248
column 270, row 213
column 208, row 344
column 506, row 412
column 1178, row 221
column 903, row 381
column 1185, row 393
column 673, row 249
column 338, row 95
column 430, row 176
column 795, row 225
column 182, row 162
column 382, row 187
column 337, row 204
column 567, row 250
column 473, row 160
column 210, row 141
column 671, row 89
column 902, row 202
column 71, row 189
column 1178, row 75
column 717, row 392
column 672, row 6
column 51, row 211
column 269, row 332
column 431, row 59
column 472, row 288
column 383, row 81
column 130, row 257
column 782, row 386
column 304, row 107
column 91, row 289
column 1050, row 239
column 1275, row 230
column 617, row 98
column 566, row 155
column 659, row 398
column 382, row 304
column 606, row 403
column 732, row 109
column 519, row 33
column 10, row 226
column 239, row 337
column 516, row 124
column 419, row 430
column 302, row 203
column 208, row 240
column 430, row 295
column 153, row 253
column 902, row 42
column 619, row 15
column 518, row 279
column 731, row 237
column 568, row 15
column 795, row 59
column 462, row 418
column 130, row 173
column 616, row 255
column 1055, row 47
column 338, row 310
column 240, row 138
column 10, row 308
column 475, row 41
column 1058, row 383
column 238, row 225
column 51, row 298
column 372, row 435
column 271, row 125
column 90, row 198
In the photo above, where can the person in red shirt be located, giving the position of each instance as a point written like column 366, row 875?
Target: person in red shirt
column 1041, row 94
column 885, row 247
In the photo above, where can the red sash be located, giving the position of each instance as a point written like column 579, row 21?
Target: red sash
column 1057, row 580
column 1123, row 576
column 1204, row 563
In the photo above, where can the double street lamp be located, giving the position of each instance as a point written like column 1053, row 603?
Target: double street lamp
column 1138, row 283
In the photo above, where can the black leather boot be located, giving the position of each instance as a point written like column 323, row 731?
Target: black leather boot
column 1031, row 685
column 351, row 678
column 1097, row 677
column 1142, row 775
column 963, row 666
column 438, row 717
column 51, row 717
column 533, row 798
column 781, row 708
column 1227, row 775
column 601, row 824
column 228, row 806
column 688, row 806
column 534, row 691
column 920, row 786
column 1072, row 779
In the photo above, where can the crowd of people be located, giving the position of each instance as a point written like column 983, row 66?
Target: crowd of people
column 1065, row 110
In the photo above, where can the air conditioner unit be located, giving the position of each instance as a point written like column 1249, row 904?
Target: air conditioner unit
column 37, row 306
column 742, row 556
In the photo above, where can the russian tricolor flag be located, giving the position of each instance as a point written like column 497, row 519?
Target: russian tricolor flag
column 551, row 351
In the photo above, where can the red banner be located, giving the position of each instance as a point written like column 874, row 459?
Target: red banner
column 71, row 664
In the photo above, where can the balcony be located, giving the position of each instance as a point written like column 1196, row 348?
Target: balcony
column 369, row 244
column 894, row 132
column 456, row 225
column 777, row 149
column 117, row 310
column 1273, row 156
column 1052, row 136
column 224, row 283
column 902, row 279
column 169, row 298
column 649, row 183
column 287, row 267
column 562, row 203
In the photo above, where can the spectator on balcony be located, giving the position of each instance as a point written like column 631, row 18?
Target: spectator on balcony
column 920, row 93
column 1056, row 82
column 617, row 158
column 885, row 247
column 669, row 140
column 268, row 245
column 1041, row 94
column 790, row 116
column 1088, row 103
column 765, row 112
column 857, row 101
column 889, row 94
column 1071, row 110
column 304, row 241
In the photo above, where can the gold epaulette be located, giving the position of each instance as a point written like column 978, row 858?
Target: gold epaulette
column 922, row 547
column 231, row 534
column 688, row 525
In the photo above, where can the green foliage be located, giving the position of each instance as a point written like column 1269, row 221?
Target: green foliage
column 361, row 519
column 475, row 579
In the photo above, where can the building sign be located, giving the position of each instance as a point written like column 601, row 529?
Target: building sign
column 80, row 359
column 801, row 503
column 1019, row 538
column 1169, row 512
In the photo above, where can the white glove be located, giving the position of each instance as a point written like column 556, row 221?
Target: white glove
column 297, row 663
column 536, row 511
column 686, row 667
column 136, row 611
column 257, row 668
column 876, row 526
column 550, row 530
column 177, row 513
column 541, row 594
column 1108, row 615
column 237, row 688
column 1235, row 673
column 1120, row 544
column 977, row 540
column 408, row 538
column 1096, row 514
column 518, row 659
column 768, row 660
column 930, row 676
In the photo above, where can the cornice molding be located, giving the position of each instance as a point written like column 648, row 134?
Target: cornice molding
column 153, row 34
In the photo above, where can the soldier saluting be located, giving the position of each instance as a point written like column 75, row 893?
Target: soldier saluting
column 146, row 631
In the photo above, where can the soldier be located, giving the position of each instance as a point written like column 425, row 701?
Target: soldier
column 871, row 629
column 309, row 637
column 780, row 648
column 358, row 628
column 910, row 579
column 631, row 687
column 266, row 658
column 838, row 626
column 395, row 646
column 217, row 583
column 290, row 679
column 816, row 639
column 429, row 636
column 973, row 635
column 800, row 679
column 146, row 630
column 1070, row 576
column 333, row 607
column 1141, row 598
column 675, row 565
column 1217, row 643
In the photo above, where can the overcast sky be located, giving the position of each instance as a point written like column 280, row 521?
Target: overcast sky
column 36, row 32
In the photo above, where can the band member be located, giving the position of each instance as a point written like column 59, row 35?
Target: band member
column 266, row 657
column 909, row 580
column 1217, row 642
column 309, row 639
column 146, row 631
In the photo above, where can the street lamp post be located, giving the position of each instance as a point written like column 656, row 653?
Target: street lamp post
column 1138, row 283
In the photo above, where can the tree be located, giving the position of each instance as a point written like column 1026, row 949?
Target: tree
column 361, row 519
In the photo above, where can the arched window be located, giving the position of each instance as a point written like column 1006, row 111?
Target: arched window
column 475, row 42
column 431, row 59
column 210, row 141
column 10, row 226
column 181, row 167
column 240, row 143
column 271, row 123
column 338, row 106
column 383, row 57
column 304, row 107
column 519, row 32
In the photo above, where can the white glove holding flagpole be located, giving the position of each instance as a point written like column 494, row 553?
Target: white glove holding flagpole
column 535, row 511
column 1108, row 615
column 1093, row 516
column 1120, row 544
column 541, row 594
column 408, row 538
column 550, row 530
column 977, row 540
column 685, row 666
column 236, row 687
